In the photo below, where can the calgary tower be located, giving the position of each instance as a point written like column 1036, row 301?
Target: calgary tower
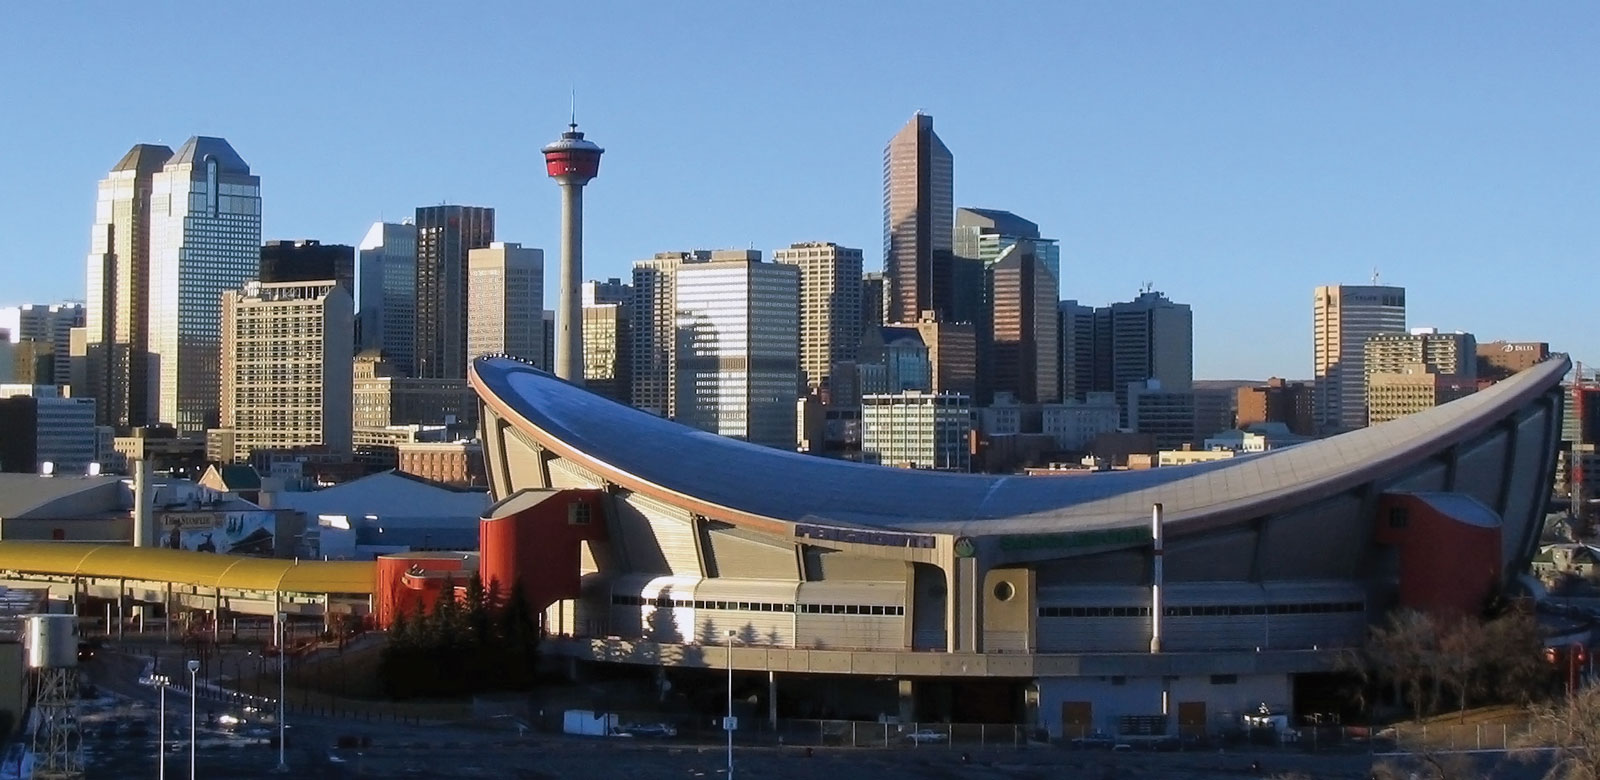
column 572, row 162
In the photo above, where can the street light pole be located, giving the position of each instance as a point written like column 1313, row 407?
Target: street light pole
column 161, row 681
column 728, row 724
column 194, row 670
column 283, row 764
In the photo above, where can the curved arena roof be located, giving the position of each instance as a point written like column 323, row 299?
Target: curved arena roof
column 640, row 451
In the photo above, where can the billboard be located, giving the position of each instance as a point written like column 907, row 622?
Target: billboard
column 232, row 533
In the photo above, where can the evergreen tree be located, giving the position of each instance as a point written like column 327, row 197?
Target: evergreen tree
column 477, row 612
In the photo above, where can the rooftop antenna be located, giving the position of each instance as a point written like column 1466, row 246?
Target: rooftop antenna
column 1374, row 276
column 574, row 96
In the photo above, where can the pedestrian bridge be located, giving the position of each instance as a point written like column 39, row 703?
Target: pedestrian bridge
column 224, row 585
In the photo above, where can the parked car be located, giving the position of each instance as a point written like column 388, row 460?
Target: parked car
column 651, row 730
column 1095, row 740
column 927, row 736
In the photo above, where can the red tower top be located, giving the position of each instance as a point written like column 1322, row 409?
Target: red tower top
column 572, row 159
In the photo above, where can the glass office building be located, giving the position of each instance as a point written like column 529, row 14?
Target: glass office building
column 738, row 347
column 205, row 239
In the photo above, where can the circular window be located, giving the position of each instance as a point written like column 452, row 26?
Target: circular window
column 1003, row 591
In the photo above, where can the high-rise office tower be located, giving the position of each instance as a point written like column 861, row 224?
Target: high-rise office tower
column 39, row 425
column 1075, row 337
column 918, row 219
column 205, row 239
column 1343, row 318
column 952, row 355
column 49, row 327
column 1149, row 337
column 505, row 310
column 116, row 318
column 872, row 300
column 608, row 350
column 445, row 234
column 830, row 307
column 287, row 351
column 1023, row 334
column 654, row 329
column 985, row 233
column 308, row 261
column 612, row 290
column 738, row 347
column 387, row 292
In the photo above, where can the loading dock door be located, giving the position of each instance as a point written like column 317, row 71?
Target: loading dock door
column 1191, row 718
column 1077, row 719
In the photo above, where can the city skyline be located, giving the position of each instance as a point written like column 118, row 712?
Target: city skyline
column 1439, row 167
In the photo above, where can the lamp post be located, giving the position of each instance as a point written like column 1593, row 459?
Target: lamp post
column 161, row 682
column 728, row 724
column 194, row 670
column 283, row 764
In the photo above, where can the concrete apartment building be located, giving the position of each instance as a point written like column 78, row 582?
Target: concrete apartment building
column 1453, row 355
column 505, row 302
column 1343, row 318
column 917, row 430
column 287, row 366
column 830, row 307
column 1412, row 389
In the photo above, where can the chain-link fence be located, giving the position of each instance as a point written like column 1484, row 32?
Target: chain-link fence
column 1453, row 737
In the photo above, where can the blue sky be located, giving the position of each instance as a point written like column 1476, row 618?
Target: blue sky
column 1234, row 154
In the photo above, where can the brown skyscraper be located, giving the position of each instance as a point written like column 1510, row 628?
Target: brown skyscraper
column 1024, row 351
column 116, row 328
column 919, row 224
column 1290, row 403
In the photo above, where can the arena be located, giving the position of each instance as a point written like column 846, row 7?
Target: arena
column 1177, row 597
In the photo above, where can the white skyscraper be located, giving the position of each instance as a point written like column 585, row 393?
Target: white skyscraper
column 1343, row 318
column 505, row 302
column 205, row 239
column 386, row 291
column 738, row 347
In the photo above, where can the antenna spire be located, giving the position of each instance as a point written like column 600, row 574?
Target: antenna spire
column 574, row 123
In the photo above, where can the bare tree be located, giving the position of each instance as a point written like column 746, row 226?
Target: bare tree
column 1572, row 727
